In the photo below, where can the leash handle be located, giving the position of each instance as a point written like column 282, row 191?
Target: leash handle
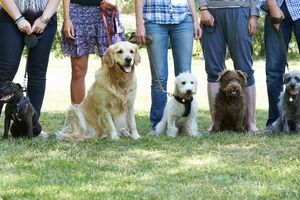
column 104, row 14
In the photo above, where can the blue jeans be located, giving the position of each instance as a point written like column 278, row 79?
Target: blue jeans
column 181, row 37
column 275, row 59
column 11, row 48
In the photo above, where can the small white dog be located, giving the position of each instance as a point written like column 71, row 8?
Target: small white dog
column 180, row 114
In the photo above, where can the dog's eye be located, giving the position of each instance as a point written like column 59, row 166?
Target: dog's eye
column 120, row 51
column 192, row 82
column 131, row 51
column 183, row 83
column 297, row 79
column 288, row 79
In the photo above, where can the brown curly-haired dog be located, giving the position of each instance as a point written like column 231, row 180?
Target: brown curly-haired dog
column 230, row 111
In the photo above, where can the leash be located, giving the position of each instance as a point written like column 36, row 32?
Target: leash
column 275, row 20
column 105, row 14
column 148, row 39
column 25, row 79
column 282, row 41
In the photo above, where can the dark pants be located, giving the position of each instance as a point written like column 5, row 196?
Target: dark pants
column 275, row 59
column 11, row 48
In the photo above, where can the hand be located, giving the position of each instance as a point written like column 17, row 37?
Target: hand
column 38, row 26
column 276, row 12
column 197, row 30
column 68, row 29
column 206, row 18
column 252, row 25
column 140, row 34
column 25, row 27
column 109, row 3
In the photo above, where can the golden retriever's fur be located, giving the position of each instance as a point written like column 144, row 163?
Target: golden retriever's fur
column 107, row 110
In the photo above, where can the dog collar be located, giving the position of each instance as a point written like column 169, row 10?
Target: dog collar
column 291, row 98
column 187, row 104
column 22, row 102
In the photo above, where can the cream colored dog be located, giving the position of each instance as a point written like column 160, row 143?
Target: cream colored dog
column 107, row 110
column 180, row 114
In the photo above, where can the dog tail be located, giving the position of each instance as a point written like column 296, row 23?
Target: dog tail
column 61, row 135
column 161, row 128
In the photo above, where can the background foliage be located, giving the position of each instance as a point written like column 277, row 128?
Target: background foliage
column 127, row 8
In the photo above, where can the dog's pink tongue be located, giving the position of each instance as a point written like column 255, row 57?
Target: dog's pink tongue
column 293, row 91
column 127, row 69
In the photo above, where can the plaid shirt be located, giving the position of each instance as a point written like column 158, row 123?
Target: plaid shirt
column 166, row 11
column 292, row 5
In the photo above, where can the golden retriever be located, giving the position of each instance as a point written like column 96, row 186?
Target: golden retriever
column 107, row 110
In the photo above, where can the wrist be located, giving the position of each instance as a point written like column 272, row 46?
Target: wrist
column 203, row 8
column 18, row 20
column 44, row 19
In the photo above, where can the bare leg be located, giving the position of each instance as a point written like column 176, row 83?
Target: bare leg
column 79, row 70
column 212, row 91
column 251, row 107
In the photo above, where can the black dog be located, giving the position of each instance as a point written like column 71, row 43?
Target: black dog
column 20, row 111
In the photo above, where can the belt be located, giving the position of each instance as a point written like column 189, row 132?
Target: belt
column 87, row 3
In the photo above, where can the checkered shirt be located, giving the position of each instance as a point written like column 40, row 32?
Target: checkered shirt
column 166, row 11
column 292, row 5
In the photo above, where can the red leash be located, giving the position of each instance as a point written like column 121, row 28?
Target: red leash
column 105, row 14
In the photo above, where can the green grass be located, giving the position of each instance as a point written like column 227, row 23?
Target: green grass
column 219, row 166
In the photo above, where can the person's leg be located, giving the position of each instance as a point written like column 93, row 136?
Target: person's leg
column 214, row 50
column 296, row 26
column 11, row 47
column 158, row 53
column 275, row 62
column 240, row 48
column 37, row 63
column 79, row 70
column 182, row 38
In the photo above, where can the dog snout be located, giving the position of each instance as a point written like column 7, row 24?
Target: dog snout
column 189, row 91
column 292, row 85
column 128, row 60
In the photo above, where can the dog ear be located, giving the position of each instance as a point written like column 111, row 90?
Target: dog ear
column 108, row 58
column 221, row 75
column 176, row 90
column 285, row 78
column 19, row 86
column 137, row 57
column 243, row 75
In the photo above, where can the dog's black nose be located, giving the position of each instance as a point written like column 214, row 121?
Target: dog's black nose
column 128, row 60
column 189, row 91
column 292, row 85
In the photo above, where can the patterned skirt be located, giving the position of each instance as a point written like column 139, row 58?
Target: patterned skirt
column 90, row 34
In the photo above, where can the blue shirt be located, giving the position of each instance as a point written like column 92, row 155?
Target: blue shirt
column 166, row 11
column 293, row 7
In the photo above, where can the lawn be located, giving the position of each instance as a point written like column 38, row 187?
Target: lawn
column 220, row 166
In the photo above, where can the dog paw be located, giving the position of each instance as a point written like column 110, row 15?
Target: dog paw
column 195, row 134
column 135, row 136
column 172, row 132
column 114, row 136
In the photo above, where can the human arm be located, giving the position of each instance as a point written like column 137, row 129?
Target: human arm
column 40, row 23
column 206, row 18
column 275, row 12
column 140, row 27
column 68, row 27
column 11, row 8
column 197, row 29
column 253, row 21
